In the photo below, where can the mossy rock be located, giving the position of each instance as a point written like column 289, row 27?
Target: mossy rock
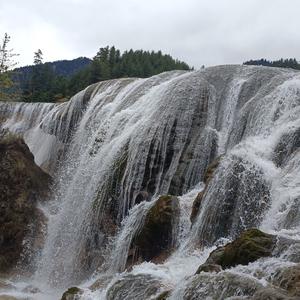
column 154, row 242
column 163, row 296
column 72, row 293
column 250, row 246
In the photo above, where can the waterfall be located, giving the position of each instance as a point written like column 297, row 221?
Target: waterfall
column 115, row 147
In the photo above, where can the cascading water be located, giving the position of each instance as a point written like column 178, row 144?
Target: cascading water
column 114, row 148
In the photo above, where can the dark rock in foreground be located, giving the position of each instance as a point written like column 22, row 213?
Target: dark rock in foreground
column 250, row 246
column 155, row 240
column 22, row 184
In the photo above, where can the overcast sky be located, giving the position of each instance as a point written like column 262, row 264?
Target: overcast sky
column 208, row 32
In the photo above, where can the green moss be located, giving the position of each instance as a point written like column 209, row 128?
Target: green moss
column 71, row 293
column 250, row 246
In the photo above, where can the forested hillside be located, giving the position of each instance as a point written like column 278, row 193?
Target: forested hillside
column 291, row 63
column 66, row 68
column 57, row 81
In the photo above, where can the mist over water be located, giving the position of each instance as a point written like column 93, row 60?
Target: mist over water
column 156, row 136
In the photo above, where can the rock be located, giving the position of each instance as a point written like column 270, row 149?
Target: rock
column 196, row 206
column 141, row 286
column 208, row 175
column 164, row 295
column 209, row 268
column 288, row 143
column 72, row 293
column 22, row 184
column 288, row 278
column 223, row 285
column 271, row 293
column 155, row 240
column 250, row 246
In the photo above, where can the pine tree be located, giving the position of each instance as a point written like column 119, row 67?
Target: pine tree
column 38, row 57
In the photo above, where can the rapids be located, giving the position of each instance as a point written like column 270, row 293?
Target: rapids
column 156, row 136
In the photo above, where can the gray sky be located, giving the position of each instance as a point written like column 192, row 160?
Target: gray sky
column 208, row 32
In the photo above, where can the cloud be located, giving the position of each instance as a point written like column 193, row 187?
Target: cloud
column 198, row 32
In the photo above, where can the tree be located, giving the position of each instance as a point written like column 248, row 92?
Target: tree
column 8, row 90
column 38, row 57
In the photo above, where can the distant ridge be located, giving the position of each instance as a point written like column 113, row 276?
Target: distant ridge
column 66, row 68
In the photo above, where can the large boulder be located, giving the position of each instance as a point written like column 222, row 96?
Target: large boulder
column 155, row 240
column 22, row 184
column 248, row 247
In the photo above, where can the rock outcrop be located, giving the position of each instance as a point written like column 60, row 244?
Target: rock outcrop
column 22, row 184
column 155, row 240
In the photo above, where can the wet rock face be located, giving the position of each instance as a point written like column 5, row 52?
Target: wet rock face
column 250, row 246
column 234, row 200
column 155, row 239
column 22, row 183
column 288, row 143
column 206, row 179
column 132, row 287
column 220, row 286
